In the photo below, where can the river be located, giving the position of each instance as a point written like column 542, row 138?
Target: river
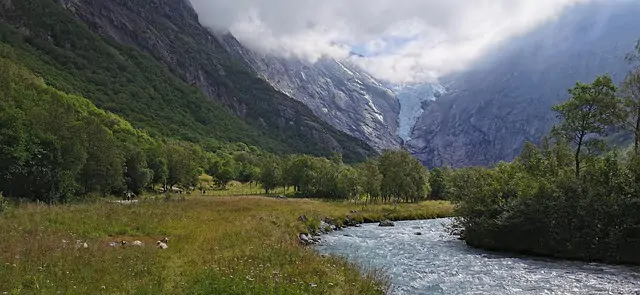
column 437, row 263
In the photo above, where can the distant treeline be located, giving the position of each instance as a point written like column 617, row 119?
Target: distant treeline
column 56, row 147
column 569, row 197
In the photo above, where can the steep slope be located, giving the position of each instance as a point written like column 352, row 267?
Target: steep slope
column 411, row 98
column 67, row 51
column 338, row 92
column 506, row 99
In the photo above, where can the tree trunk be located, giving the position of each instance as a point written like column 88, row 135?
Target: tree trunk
column 636, row 147
column 578, row 149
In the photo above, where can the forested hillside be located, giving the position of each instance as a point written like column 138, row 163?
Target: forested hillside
column 53, row 43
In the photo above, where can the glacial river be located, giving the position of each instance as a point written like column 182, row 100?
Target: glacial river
column 437, row 263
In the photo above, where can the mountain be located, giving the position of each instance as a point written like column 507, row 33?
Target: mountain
column 338, row 92
column 152, row 63
column 490, row 110
column 411, row 98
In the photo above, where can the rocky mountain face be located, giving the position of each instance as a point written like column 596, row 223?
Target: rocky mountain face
column 337, row 91
column 169, row 30
column 489, row 111
column 411, row 98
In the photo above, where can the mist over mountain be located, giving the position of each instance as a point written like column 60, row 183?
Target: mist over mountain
column 492, row 108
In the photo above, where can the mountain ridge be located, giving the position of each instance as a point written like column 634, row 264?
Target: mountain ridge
column 338, row 92
column 169, row 31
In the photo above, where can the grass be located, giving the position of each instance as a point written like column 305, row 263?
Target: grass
column 218, row 245
column 235, row 188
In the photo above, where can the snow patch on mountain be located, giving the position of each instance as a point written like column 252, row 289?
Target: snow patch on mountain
column 411, row 97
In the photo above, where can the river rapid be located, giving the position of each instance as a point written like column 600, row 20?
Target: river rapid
column 437, row 263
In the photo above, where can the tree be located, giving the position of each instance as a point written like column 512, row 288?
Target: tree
column 403, row 177
column 631, row 98
column 249, row 174
column 182, row 164
column 157, row 161
column 439, row 183
column 371, row 179
column 592, row 109
column 223, row 170
column 103, row 171
column 271, row 174
column 137, row 174
column 349, row 184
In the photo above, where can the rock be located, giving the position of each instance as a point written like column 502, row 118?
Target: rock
column 80, row 244
column 113, row 244
column 339, row 92
column 305, row 240
column 418, row 234
column 137, row 243
column 350, row 222
column 303, row 218
column 281, row 197
column 162, row 245
column 386, row 223
column 324, row 227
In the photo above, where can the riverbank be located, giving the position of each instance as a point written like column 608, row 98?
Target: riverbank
column 217, row 245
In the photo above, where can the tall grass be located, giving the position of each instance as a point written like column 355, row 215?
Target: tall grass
column 222, row 245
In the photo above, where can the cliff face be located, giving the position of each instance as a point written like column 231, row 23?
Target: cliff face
column 488, row 112
column 169, row 31
column 338, row 92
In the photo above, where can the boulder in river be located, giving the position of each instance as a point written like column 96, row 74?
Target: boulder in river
column 386, row 223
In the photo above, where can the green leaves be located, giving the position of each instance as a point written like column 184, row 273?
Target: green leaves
column 591, row 111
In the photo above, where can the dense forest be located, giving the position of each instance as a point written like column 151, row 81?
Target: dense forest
column 57, row 147
column 71, row 56
column 571, row 196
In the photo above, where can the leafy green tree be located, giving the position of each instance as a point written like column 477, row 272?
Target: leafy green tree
column 271, row 175
column 349, row 184
column 631, row 97
column 157, row 160
column 103, row 170
column 592, row 109
column 13, row 154
column 182, row 163
column 223, row 171
column 300, row 173
column 137, row 174
column 370, row 178
column 439, row 183
column 403, row 177
column 631, row 106
column 249, row 174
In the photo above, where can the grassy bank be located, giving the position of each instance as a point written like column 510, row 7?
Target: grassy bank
column 218, row 245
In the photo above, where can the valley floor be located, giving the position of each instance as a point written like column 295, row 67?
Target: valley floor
column 217, row 245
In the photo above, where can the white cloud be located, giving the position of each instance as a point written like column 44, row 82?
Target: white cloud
column 405, row 40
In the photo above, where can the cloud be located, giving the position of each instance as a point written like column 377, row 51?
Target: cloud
column 405, row 41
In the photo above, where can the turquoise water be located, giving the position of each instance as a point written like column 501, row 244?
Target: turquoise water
column 437, row 263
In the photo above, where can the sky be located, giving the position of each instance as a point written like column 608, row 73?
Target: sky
column 403, row 41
